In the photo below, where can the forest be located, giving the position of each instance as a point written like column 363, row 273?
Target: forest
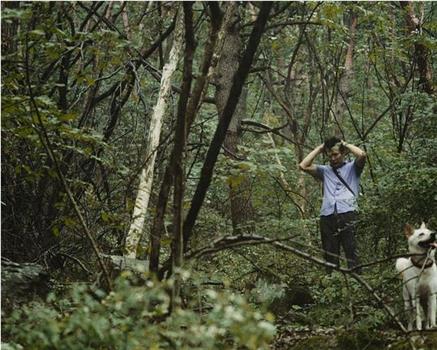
column 151, row 190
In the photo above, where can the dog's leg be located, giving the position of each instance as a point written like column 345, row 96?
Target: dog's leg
column 409, row 306
column 419, row 313
column 432, row 306
column 409, row 310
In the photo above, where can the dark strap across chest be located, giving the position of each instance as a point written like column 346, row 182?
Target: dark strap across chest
column 343, row 181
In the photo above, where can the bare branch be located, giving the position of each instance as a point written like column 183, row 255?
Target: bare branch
column 243, row 240
column 272, row 130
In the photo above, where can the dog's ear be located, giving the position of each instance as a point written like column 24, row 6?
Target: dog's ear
column 423, row 226
column 408, row 230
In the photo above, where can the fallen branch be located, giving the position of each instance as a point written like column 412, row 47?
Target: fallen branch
column 236, row 241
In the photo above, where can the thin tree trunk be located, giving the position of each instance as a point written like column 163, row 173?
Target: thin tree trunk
column 146, row 178
column 179, row 146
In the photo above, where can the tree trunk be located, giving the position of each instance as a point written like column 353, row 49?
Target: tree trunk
column 220, row 133
column 297, row 129
column 239, row 191
column 146, row 178
column 201, row 82
column 179, row 146
column 242, row 211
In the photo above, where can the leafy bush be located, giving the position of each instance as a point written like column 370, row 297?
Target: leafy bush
column 135, row 316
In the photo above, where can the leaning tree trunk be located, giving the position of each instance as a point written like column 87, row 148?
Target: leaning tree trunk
column 239, row 189
column 146, row 178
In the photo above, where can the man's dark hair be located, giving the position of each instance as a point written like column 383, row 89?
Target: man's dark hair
column 331, row 142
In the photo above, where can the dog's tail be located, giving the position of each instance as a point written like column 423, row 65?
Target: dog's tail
column 402, row 264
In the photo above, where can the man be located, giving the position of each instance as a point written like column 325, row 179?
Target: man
column 341, row 180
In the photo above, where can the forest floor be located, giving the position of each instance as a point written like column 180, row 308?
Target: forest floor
column 325, row 338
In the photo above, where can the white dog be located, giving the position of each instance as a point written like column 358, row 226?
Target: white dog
column 419, row 273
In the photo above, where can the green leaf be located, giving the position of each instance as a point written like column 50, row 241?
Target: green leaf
column 234, row 180
column 55, row 231
column 67, row 117
column 37, row 32
column 104, row 216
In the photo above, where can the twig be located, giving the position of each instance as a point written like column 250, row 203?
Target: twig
column 272, row 130
column 80, row 263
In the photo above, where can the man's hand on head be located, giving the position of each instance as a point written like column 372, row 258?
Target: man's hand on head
column 344, row 146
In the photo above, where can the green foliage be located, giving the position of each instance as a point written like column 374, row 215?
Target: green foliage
column 47, row 90
column 341, row 300
column 135, row 315
column 76, row 66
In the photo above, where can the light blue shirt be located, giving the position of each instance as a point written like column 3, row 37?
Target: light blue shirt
column 336, row 196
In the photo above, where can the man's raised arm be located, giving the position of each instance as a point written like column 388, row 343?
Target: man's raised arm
column 360, row 155
column 307, row 163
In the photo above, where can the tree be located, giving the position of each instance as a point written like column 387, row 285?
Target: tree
column 192, row 108
column 146, row 178
column 179, row 147
column 242, row 212
column 228, row 111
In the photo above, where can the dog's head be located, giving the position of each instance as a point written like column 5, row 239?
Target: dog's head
column 420, row 240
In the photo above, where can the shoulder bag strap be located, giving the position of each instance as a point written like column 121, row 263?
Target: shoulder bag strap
column 343, row 181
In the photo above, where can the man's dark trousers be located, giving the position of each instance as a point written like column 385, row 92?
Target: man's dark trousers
column 336, row 230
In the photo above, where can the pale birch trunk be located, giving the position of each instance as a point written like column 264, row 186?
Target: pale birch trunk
column 146, row 178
